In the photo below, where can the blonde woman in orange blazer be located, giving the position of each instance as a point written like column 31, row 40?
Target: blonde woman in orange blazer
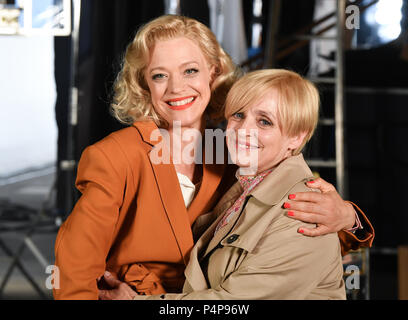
column 134, row 217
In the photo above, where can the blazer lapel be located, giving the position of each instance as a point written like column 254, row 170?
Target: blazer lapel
column 170, row 194
column 213, row 172
column 202, row 203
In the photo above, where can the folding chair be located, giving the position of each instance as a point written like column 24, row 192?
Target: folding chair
column 20, row 219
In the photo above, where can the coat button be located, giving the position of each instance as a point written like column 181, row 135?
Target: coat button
column 232, row 238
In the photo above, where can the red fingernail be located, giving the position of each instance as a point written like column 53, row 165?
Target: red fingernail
column 292, row 196
column 286, row 205
column 291, row 213
column 311, row 181
column 301, row 231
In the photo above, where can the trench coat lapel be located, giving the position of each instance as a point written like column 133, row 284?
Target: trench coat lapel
column 270, row 192
column 208, row 240
column 289, row 172
column 195, row 279
column 170, row 194
column 221, row 233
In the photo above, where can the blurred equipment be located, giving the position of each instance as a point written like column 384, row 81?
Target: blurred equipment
column 227, row 23
column 35, row 17
column 27, row 222
column 9, row 17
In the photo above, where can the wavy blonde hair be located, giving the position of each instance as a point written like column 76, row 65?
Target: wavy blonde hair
column 298, row 106
column 132, row 100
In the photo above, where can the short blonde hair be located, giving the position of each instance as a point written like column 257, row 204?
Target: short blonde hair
column 298, row 107
column 132, row 100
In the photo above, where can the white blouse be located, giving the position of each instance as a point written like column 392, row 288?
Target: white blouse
column 187, row 188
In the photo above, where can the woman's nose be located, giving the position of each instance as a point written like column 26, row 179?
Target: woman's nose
column 247, row 129
column 176, row 84
column 245, row 125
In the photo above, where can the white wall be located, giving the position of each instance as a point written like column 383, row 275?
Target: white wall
column 28, row 132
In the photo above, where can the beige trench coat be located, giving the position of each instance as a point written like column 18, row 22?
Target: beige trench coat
column 260, row 254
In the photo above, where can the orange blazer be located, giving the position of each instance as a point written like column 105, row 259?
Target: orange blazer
column 131, row 218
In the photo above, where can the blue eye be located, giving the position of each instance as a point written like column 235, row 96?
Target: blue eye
column 265, row 122
column 238, row 115
column 158, row 76
column 191, row 71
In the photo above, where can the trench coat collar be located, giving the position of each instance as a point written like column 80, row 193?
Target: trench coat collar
column 271, row 191
column 180, row 218
column 288, row 173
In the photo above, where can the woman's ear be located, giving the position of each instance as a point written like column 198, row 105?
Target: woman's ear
column 296, row 141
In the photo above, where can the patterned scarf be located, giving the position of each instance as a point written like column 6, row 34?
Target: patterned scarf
column 248, row 183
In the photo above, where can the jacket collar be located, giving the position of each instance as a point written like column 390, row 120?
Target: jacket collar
column 277, row 184
column 179, row 217
column 271, row 191
column 171, row 197
column 146, row 129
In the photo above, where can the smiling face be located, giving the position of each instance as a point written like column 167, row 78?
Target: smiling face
column 254, row 137
column 179, row 77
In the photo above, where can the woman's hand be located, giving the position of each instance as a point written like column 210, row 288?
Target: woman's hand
column 118, row 290
column 327, row 209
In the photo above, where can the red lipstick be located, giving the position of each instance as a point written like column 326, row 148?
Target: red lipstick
column 181, row 106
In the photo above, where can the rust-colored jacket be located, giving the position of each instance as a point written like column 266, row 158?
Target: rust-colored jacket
column 131, row 218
